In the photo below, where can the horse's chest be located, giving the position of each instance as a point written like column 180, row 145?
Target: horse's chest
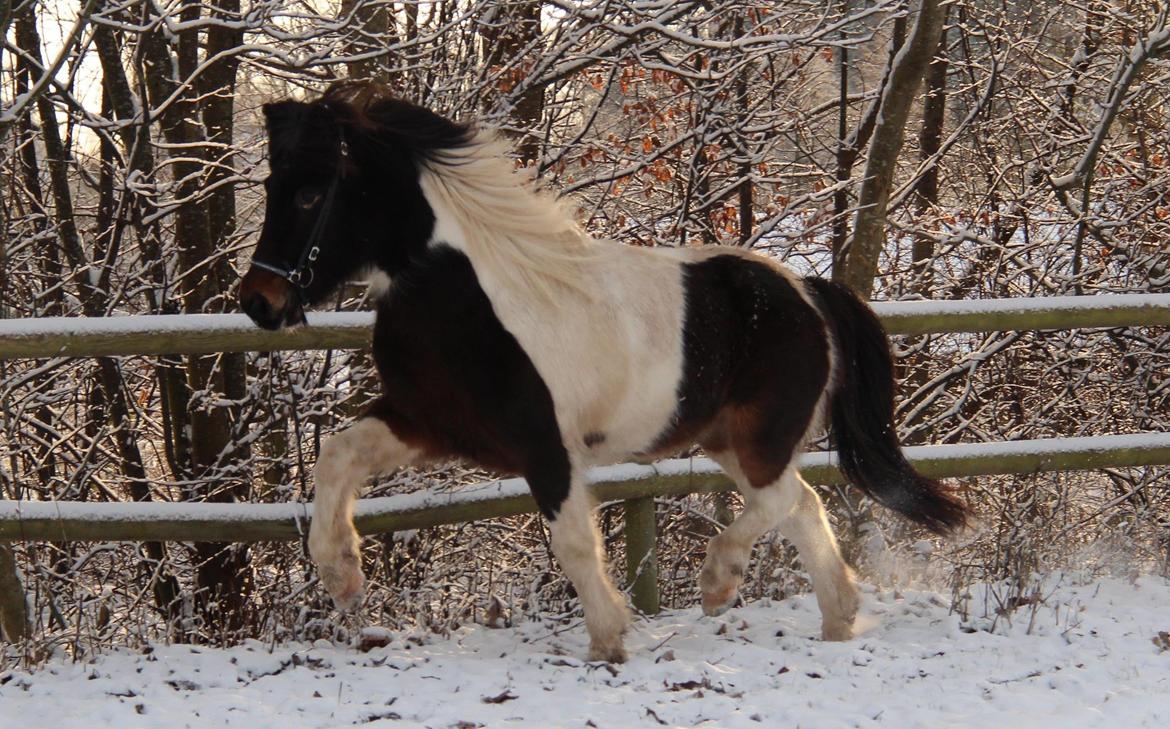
column 436, row 331
column 449, row 366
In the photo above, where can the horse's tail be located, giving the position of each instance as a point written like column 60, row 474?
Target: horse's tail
column 863, row 415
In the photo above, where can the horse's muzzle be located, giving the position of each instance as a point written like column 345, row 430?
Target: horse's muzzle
column 270, row 301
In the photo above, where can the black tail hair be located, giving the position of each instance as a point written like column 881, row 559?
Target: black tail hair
column 863, row 415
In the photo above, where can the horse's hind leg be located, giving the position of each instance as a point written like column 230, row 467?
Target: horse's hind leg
column 729, row 551
column 807, row 527
column 576, row 542
column 347, row 459
column 791, row 504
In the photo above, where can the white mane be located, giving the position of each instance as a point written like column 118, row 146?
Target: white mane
column 517, row 232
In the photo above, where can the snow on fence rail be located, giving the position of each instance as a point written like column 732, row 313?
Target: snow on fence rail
column 211, row 333
column 637, row 486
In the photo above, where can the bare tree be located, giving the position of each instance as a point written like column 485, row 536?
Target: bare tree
column 857, row 264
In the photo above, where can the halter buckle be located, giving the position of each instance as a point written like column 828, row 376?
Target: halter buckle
column 298, row 278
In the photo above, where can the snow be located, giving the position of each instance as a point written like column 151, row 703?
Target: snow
column 1085, row 656
column 15, row 511
column 1047, row 446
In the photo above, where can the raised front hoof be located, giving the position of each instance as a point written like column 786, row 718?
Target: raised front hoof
column 837, row 632
column 717, row 603
column 346, row 586
column 350, row 601
column 608, row 652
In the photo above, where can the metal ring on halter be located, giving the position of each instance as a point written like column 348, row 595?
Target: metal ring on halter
column 296, row 278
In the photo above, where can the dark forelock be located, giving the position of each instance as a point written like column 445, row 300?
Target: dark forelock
column 368, row 114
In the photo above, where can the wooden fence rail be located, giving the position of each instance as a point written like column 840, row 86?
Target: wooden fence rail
column 212, row 333
column 637, row 486
column 64, row 521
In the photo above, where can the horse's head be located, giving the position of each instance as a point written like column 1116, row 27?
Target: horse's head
column 343, row 197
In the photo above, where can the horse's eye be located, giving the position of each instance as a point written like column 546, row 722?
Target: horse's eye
column 307, row 198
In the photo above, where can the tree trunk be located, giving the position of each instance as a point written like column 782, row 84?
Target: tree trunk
column 507, row 32
column 196, row 121
column 934, row 109
column 56, row 160
column 372, row 24
column 912, row 371
column 744, row 189
column 849, row 147
column 53, row 299
column 857, row 265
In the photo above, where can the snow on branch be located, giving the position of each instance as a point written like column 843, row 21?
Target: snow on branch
column 1155, row 43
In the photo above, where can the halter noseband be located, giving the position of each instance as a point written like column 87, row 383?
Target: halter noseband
column 302, row 275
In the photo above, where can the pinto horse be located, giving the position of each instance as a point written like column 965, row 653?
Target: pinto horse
column 508, row 337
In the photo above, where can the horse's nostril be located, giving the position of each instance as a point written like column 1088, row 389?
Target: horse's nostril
column 258, row 308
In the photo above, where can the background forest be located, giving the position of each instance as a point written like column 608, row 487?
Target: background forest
column 957, row 150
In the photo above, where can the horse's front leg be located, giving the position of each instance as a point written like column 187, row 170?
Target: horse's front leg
column 347, row 459
column 576, row 542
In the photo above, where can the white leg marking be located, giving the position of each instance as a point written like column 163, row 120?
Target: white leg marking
column 807, row 527
column 347, row 459
column 576, row 542
column 729, row 551
column 793, row 505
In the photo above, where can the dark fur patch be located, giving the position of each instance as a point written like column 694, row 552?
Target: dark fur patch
column 593, row 438
column 755, row 364
column 380, row 215
column 456, row 383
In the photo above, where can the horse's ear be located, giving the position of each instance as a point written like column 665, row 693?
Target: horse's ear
column 281, row 115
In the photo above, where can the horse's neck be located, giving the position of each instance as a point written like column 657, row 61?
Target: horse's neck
column 520, row 243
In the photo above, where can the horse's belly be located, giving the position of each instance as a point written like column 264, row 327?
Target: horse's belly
column 614, row 376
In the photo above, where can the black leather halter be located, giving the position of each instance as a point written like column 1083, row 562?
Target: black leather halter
column 301, row 276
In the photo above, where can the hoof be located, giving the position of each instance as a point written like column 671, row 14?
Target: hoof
column 717, row 603
column 720, row 579
column 609, row 653
column 837, row 632
column 346, row 586
column 349, row 601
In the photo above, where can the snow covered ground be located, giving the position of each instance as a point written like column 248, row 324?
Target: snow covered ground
column 1086, row 656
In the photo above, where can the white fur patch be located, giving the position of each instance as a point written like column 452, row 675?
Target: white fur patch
column 576, row 542
column 794, row 506
column 609, row 348
column 347, row 459
column 379, row 283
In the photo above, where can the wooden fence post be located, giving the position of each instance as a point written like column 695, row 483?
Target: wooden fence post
column 13, row 608
column 642, row 553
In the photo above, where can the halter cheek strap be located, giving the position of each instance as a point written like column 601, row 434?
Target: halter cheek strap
column 301, row 276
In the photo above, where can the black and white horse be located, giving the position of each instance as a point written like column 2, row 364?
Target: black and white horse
column 508, row 337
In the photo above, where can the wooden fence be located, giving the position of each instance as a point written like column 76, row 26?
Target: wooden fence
column 210, row 333
column 635, row 485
